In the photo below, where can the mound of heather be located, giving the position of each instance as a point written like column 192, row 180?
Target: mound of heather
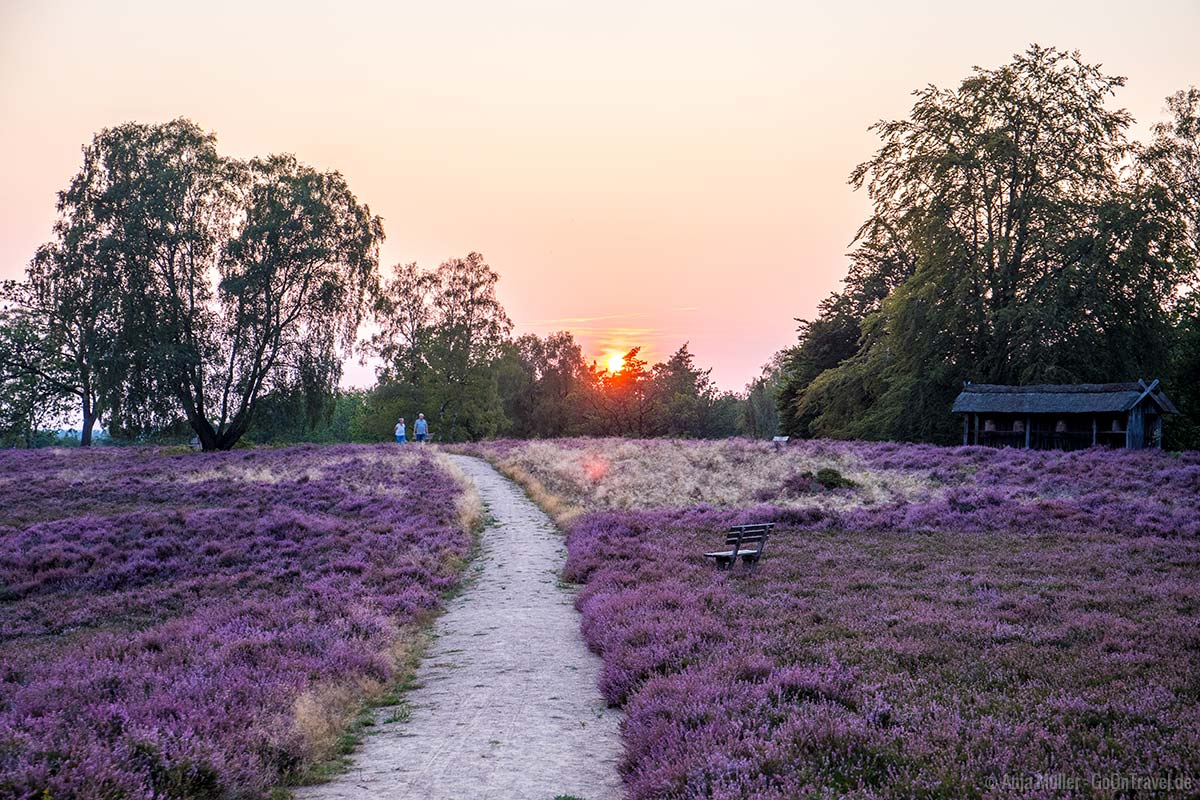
column 943, row 623
column 201, row 625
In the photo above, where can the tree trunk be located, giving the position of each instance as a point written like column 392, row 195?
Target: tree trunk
column 204, row 432
column 208, row 440
column 89, row 421
column 230, row 437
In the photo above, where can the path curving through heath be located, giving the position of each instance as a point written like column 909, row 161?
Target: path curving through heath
column 506, row 704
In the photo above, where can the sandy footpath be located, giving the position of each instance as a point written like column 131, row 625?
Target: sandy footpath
column 506, row 704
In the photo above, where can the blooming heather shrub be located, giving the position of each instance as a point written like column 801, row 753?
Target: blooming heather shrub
column 962, row 616
column 878, row 662
column 170, row 625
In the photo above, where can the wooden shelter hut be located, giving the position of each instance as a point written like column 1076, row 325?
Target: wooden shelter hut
column 1064, row 416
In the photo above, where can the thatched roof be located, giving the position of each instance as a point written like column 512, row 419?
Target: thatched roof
column 1079, row 398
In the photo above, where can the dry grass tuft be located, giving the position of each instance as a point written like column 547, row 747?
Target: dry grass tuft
column 322, row 715
column 571, row 476
column 558, row 509
column 469, row 505
column 300, row 470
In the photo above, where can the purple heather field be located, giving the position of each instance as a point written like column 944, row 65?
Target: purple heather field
column 201, row 625
column 996, row 624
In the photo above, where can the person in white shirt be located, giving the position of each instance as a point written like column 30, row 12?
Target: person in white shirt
column 400, row 437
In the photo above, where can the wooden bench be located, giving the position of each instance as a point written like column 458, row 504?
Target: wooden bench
column 744, row 541
column 779, row 442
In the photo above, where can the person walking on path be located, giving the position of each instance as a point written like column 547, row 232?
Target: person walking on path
column 400, row 432
column 421, row 428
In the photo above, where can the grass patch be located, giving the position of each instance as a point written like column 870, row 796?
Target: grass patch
column 385, row 704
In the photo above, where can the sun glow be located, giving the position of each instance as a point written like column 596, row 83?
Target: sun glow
column 616, row 362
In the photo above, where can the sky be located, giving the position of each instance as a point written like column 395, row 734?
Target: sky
column 640, row 173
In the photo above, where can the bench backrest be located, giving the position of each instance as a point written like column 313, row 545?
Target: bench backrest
column 743, row 535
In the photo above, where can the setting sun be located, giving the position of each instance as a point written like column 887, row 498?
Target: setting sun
column 616, row 362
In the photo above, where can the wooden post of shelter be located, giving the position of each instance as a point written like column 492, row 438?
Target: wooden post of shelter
column 1094, row 429
column 1027, row 426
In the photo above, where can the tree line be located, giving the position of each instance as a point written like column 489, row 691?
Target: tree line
column 445, row 348
column 185, row 293
column 1017, row 236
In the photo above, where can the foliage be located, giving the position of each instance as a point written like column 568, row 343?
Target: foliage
column 546, row 386
column 760, row 413
column 1174, row 157
column 441, row 335
column 689, row 402
column 624, row 402
column 826, row 342
column 1016, row 237
column 35, row 388
column 203, row 625
column 444, row 341
column 290, row 416
column 830, row 478
column 1184, row 433
column 182, row 284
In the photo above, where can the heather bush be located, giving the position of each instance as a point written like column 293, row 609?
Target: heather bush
column 203, row 625
column 830, row 478
column 882, row 662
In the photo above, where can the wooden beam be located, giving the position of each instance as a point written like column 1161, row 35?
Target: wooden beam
column 976, row 428
column 1094, row 426
column 1027, row 431
column 1148, row 393
column 966, row 430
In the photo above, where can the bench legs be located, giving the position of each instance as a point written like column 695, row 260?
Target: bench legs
column 749, row 561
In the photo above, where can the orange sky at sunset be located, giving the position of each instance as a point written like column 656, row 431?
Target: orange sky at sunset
column 640, row 173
